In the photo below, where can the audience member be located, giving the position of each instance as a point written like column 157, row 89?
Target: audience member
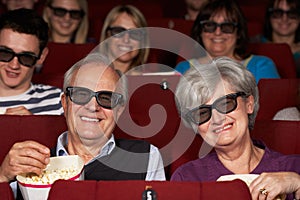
column 91, row 122
column 23, row 41
column 220, row 101
column 125, row 44
column 17, row 4
column 282, row 26
column 221, row 29
column 68, row 20
column 192, row 8
column 290, row 113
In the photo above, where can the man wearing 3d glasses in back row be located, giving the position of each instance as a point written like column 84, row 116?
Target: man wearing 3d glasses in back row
column 23, row 47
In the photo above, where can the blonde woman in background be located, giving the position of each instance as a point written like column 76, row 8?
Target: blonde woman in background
column 125, row 46
column 16, row 4
column 68, row 20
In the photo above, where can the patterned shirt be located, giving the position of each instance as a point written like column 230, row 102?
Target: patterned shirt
column 38, row 99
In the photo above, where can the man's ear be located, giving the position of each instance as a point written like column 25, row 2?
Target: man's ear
column 43, row 56
column 118, row 111
column 64, row 103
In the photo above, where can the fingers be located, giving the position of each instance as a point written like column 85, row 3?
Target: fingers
column 25, row 157
column 268, row 186
column 20, row 110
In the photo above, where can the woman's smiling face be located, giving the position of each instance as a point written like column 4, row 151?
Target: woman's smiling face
column 226, row 129
column 219, row 43
column 123, row 49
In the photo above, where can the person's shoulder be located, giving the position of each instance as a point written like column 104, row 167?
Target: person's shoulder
column 42, row 87
column 182, row 66
column 296, row 50
column 275, row 155
column 289, row 113
column 200, row 162
column 261, row 58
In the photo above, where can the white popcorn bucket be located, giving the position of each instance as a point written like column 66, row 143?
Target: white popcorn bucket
column 247, row 178
column 39, row 191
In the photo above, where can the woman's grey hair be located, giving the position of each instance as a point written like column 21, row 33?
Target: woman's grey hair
column 198, row 84
column 97, row 58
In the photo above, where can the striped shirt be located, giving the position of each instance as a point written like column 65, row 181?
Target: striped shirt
column 38, row 99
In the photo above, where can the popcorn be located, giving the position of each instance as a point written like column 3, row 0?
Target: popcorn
column 49, row 176
column 37, row 187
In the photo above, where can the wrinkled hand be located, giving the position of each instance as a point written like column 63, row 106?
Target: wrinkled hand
column 20, row 110
column 24, row 157
column 275, row 184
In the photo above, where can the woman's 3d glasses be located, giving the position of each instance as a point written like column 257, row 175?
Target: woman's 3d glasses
column 211, row 26
column 61, row 12
column 106, row 99
column 224, row 105
column 278, row 13
column 118, row 32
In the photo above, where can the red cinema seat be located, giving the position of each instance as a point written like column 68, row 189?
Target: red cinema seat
column 233, row 190
column 276, row 94
column 63, row 56
column 281, row 136
column 281, row 54
column 151, row 113
column 135, row 190
column 254, row 28
column 186, row 147
column 73, row 190
column 177, row 24
column 131, row 190
column 255, row 12
column 6, row 192
column 41, row 128
column 54, row 79
column 165, row 190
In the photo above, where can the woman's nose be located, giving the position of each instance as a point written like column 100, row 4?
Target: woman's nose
column 217, row 117
column 126, row 37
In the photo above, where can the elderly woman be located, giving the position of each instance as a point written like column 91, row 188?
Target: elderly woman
column 220, row 101
column 221, row 29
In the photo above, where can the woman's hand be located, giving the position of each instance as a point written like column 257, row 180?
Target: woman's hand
column 270, row 185
column 24, row 157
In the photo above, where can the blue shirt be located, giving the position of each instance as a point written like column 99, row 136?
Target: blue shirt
column 259, row 66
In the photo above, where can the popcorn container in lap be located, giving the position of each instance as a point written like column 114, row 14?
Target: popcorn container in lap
column 35, row 187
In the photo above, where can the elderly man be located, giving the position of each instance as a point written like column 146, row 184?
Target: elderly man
column 94, row 97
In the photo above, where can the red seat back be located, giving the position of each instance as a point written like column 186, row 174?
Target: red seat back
column 41, row 128
column 63, row 56
column 281, row 136
column 165, row 190
column 276, row 94
column 73, row 190
column 54, row 79
column 6, row 192
column 281, row 54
